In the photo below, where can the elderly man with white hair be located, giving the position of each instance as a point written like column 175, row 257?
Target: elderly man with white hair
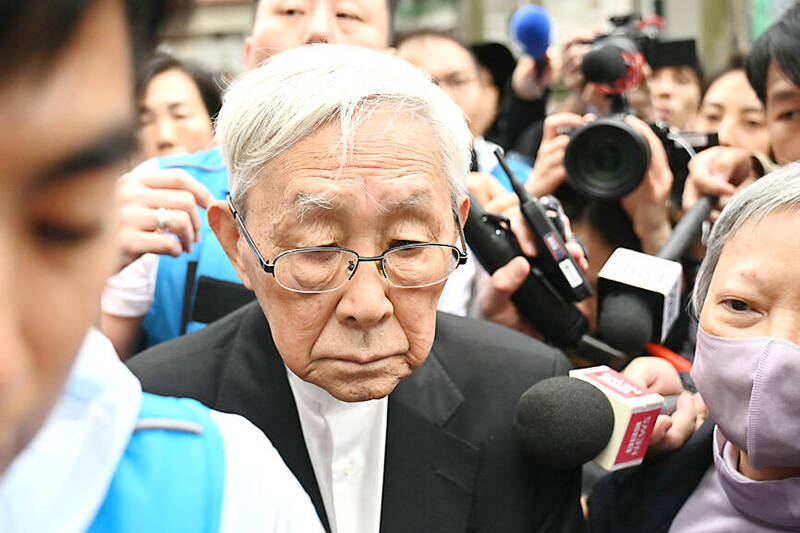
column 347, row 170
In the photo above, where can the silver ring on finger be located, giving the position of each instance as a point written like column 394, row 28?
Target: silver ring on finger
column 164, row 216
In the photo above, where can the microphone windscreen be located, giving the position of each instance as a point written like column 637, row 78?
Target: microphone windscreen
column 563, row 422
column 530, row 26
column 625, row 322
column 604, row 65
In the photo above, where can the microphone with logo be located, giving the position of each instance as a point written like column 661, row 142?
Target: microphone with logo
column 595, row 414
column 639, row 295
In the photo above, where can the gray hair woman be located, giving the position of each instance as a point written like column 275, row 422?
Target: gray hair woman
column 747, row 362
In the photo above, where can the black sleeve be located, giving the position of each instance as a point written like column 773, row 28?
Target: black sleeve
column 514, row 116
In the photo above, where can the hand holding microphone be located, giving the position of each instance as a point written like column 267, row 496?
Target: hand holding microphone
column 531, row 27
column 599, row 414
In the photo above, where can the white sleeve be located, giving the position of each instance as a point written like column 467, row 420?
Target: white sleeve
column 130, row 292
column 261, row 494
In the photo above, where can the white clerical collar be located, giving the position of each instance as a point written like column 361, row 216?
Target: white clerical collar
column 346, row 444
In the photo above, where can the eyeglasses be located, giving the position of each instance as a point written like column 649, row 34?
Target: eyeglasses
column 322, row 269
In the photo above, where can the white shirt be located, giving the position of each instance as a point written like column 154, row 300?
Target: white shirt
column 346, row 443
column 60, row 480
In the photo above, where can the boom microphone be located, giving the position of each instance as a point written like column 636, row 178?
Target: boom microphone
column 595, row 414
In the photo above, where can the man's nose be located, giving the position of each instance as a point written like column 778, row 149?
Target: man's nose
column 726, row 132
column 167, row 134
column 364, row 302
column 785, row 325
column 321, row 23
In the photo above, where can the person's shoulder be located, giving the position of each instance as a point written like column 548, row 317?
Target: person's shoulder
column 208, row 160
column 469, row 344
column 261, row 493
column 191, row 365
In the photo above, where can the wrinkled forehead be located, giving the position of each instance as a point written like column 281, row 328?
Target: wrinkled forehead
column 389, row 162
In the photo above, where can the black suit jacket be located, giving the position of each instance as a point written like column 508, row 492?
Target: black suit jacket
column 452, row 463
column 646, row 498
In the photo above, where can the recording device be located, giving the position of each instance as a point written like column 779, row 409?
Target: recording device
column 530, row 27
column 639, row 295
column 607, row 159
column 493, row 243
column 553, row 258
column 595, row 414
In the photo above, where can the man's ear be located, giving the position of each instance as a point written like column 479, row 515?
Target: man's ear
column 226, row 229
column 463, row 210
column 247, row 52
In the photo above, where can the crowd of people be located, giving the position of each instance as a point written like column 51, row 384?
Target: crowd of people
column 257, row 308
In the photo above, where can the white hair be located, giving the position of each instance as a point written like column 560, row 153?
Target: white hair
column 777, row 191
column 269, row 109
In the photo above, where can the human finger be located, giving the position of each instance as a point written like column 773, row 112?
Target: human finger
column 683, row 425
column 174, row 178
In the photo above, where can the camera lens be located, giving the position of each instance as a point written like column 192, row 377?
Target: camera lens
column 606, row 159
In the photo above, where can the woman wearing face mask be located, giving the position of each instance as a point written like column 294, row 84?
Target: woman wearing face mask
column 747, row 370
column 747, row 362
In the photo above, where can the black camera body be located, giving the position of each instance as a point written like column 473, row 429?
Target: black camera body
column 606, row 159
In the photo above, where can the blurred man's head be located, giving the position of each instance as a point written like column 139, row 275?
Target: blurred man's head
column 67, row 98
column 675, row 93
column 346, row 151
column 283, row 24
column 452, row 66
column 773, row 70
column 176, row 103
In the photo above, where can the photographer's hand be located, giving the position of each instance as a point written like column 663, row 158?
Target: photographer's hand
column 525, row 82
column 494, row 292
column 718, row 171
column 549, row 171
column 647, row 204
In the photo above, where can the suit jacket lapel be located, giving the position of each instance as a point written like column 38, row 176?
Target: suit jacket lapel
column 429, row 472
column 255, row 385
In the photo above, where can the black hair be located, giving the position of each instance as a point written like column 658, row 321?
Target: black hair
column 779, row 44
column 203, row 79
column 498, row 60
column 33, row 32
column 608, row 218
column 737, row 61
column 435, row 34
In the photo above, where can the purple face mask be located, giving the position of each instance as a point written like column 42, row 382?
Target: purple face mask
column 752, row 390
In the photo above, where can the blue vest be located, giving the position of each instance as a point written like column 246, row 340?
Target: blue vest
column 198, row 287
column 521, row 171
column 172, row 474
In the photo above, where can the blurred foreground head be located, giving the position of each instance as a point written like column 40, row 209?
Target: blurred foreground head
column 67, row 99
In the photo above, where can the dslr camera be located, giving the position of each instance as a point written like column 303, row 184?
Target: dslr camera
column 606, row 158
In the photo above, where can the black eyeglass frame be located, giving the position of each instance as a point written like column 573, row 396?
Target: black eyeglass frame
column 270, row 268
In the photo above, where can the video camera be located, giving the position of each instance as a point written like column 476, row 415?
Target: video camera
column 607, row 158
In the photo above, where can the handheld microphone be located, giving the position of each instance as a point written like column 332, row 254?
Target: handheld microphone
column 639, row 295
column 595, row 414
column 531, row 26
column 553, row 258
column 493, row 243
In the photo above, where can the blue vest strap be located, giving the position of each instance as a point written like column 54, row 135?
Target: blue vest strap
column 172, row 474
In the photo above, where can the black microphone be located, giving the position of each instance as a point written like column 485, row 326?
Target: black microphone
column 639, row 295
column 493, row 243
column 604, row 65
column 595, row 414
